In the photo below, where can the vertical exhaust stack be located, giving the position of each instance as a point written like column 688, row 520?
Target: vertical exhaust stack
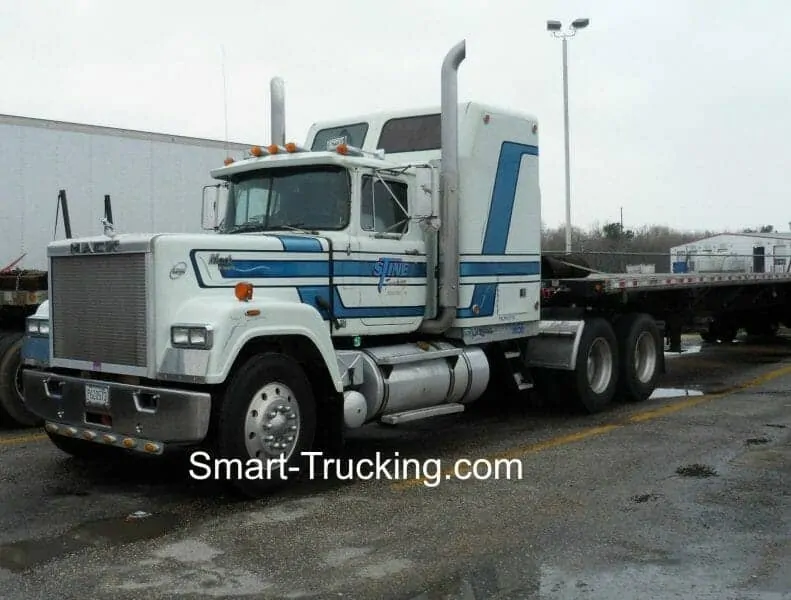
column 449, row 193
column 277, row 96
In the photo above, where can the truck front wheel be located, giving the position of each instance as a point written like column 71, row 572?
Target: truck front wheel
column 641, row 347
column 593, row 381
column 267, row 420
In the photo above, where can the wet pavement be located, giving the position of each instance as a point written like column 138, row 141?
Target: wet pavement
column 684, row 496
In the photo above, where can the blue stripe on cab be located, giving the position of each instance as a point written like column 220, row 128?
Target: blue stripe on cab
column 260, row 269
column 297, row 243
column 501, row 207
column 275, row 269
column 484, row 269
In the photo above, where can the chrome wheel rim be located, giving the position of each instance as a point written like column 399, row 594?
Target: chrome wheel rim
column 599, row 365
column 645, row 355
column 273, row 422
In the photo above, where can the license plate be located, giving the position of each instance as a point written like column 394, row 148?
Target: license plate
column 97, row 396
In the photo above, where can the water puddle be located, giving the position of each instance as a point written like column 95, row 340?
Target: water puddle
column 696, row 349
column 674, row 393
column 22, row 555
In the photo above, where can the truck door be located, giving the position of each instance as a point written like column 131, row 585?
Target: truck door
column 393, row 250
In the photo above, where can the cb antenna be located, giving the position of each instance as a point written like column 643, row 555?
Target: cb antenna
column 224, row 96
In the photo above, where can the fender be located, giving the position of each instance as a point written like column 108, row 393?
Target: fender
column 234, row 324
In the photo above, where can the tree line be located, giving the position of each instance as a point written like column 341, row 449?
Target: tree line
column 611, row 247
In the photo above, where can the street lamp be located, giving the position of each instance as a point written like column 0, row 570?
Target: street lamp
column 555, row 27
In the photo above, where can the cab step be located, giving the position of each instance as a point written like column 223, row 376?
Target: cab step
column 421, row 413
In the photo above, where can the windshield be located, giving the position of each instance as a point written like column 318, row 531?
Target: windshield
column 310, row 198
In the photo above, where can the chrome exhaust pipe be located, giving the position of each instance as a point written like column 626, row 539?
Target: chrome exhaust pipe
column 449, row 193
column 277, row 94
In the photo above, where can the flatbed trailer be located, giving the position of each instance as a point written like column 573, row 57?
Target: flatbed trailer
column 716, row 305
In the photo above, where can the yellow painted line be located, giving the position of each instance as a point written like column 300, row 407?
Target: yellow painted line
column 590, row 432
column 22, row 439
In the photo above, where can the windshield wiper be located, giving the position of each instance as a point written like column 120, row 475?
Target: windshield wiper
column 246, row 227
column 297, row 228
column 249, row 227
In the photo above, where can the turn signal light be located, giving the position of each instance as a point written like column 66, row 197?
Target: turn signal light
column 243, row 291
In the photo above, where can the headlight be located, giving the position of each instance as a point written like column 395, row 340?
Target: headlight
column 191, row 336
column 36, row 326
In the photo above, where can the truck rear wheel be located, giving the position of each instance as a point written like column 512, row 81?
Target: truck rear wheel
column 12, row 399
column 640, row 346
column 268, row 413
column 595, row 376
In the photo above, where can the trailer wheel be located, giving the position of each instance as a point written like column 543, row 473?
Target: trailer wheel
column 595, row 377
column 640, row 346
column 268, row 413
column 12, row 399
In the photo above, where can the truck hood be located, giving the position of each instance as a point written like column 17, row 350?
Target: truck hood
column 145, row 242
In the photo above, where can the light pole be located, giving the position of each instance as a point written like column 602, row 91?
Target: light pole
column 555, row 27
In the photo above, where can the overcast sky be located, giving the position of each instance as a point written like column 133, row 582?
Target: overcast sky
column 679, row 109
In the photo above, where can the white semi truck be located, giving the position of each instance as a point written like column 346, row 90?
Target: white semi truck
column 151, row 181
column 388, row 270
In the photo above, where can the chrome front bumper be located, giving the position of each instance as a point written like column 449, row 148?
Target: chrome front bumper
column 131, row 416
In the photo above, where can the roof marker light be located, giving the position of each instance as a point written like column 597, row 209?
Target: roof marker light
column 257, row 151
column 347, row 150
column 228, row 161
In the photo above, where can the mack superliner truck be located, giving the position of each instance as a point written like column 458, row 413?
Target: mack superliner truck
column 388, row 270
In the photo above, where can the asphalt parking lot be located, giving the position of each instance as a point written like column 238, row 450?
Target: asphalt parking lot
column 684, row 496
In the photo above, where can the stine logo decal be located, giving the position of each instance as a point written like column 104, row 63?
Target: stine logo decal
column 387, row 268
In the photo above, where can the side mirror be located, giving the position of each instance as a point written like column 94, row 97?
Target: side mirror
column 215, row 198
column 425, row 196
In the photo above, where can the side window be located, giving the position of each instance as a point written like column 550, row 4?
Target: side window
column 411, row 134
column 384, row 205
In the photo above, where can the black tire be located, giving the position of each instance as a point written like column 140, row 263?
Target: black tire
column 83, row 449
column 723, row 331
column 641, row 348
column 12, row 401
column 278, row 384
column 598, row 343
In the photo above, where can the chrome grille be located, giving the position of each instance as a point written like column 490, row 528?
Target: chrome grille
column 98, row 308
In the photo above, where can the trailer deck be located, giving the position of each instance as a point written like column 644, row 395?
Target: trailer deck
column 598, row 284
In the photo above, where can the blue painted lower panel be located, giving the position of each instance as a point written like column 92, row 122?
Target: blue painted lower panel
column 36, row 349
